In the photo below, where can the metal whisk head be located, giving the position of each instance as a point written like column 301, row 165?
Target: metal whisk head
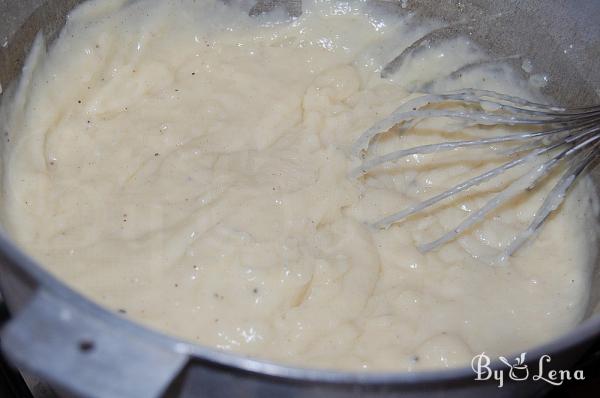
column 561, row 135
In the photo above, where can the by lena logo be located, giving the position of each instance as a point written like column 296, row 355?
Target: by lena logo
column 518, row 370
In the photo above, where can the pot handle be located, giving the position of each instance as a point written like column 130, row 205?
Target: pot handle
column 86, row 355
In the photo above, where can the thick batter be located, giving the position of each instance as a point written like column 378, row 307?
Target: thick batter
column 186, row 165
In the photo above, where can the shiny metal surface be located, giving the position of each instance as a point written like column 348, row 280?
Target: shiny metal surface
column 84, row 350
column 573, row 132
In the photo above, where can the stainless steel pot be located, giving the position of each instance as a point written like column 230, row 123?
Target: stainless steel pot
column 84, row 350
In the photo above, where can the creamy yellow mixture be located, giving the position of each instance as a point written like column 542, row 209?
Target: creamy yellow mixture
column 187, row 165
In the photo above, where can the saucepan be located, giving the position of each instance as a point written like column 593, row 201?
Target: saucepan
column 83, row 350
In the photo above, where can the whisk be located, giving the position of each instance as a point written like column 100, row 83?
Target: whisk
column 561, row 135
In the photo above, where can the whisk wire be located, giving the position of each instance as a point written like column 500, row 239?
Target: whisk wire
column 575, row 130
column 524, row 183
column 401, row 215
column 536, row 113
column 552, row 201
